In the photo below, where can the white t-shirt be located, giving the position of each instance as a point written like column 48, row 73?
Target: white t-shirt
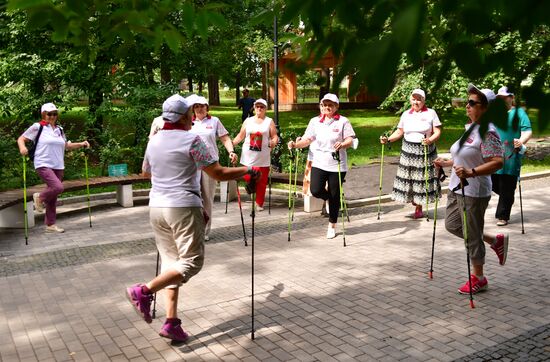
column 324, row 133
column 156, row 126
column 50, row 149
column 173, row 158
column 471, row 155
column 256, row 151
column 418, row 125
column 210, row 129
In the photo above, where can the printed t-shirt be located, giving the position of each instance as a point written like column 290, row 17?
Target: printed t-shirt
column 173, row 158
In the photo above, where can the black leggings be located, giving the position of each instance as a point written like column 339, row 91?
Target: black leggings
column 505, row 187
column 319, row 179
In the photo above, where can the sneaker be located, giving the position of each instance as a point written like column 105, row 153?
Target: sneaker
column 140, row 301
column 502, row 223
column 38, row 205
column 54, row 229
column 477, row 286
column 331, row 232
column 418, row 214
column 206, row 238
column 173, row 331
column 259, row 208
column 500, row 246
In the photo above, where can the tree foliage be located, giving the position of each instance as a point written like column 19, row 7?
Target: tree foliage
column 383, row 41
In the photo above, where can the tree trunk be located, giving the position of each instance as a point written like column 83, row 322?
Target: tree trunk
column 99, row 84
column 190, row 84
column 165, row 72
column 213, row 90
column 200, row 87
column 264, row 76
column 237, row 87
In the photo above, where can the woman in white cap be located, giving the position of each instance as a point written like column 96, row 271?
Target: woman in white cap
column 474, row 162
column 210, row 129
column 505, row 179
column 325, row 135
column 260, row 136
column 173, row 158
column 49, row 161
column 419, row 126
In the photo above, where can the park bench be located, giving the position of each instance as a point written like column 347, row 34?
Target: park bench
column 11, row 201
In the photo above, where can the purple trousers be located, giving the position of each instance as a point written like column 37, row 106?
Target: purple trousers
column 52, row 178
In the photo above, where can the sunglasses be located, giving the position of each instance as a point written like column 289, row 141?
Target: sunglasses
column 472, row 103
column 51, row 114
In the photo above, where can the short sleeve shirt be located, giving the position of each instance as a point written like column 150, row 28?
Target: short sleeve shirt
column 50, row 149
column 512, row 159
column 173, row 158
column 471, row 155
column 209, row 129
column 418, row 125
column 324, row 133
column 256, row 151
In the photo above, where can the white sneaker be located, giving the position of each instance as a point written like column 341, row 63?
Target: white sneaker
column 206, row 238
column 259, row 208
column 331, row 233
column 38, row 205
column 54, row 229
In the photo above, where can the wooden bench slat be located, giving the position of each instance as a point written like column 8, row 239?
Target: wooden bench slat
column 12, row 197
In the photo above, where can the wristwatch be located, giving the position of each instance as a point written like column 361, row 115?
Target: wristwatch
column 474, row 173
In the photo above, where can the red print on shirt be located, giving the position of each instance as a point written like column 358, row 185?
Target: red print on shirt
column 256, row 141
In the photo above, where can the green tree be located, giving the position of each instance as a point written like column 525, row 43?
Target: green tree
column 479, row 39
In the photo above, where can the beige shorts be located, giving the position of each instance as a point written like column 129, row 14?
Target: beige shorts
column 179, row 235
column 475, row 216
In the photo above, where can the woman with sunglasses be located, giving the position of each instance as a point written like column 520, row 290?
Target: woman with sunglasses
column 50, row 145
column 472, row 165
column 210, row 129
column 260, row 136
column 420, row 127
column 328, row 136
column 505, row 179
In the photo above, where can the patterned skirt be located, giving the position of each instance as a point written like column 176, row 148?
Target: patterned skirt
column 410, row 181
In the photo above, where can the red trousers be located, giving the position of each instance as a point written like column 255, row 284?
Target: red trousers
column 261, row 185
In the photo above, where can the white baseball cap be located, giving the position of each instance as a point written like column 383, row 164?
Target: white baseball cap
column 261, row 101
column 330, row 97
column 48, row 107
column 503, row 91
column 420, row 92
column 486, row 93
column 174, row 107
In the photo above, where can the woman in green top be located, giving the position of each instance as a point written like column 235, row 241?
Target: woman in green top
column 505, row 180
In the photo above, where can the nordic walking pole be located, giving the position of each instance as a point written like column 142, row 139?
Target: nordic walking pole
column 521, row 205
column 227, row 191
column 269, row 201
column 426, row 179
column 251, row 189
column 294, row 195
column 290, row 202
column 441, row 176
column 336, row 156
column 155, row 295
column 252, row 330
column 520, row 199
column 26, row 221
column 380, row 185
column 464, row 183
column 87, row 187
column 241, row 209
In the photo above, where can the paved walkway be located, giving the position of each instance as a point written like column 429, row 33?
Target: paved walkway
column 62, row 296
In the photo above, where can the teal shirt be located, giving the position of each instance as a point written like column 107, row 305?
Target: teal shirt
column 512, row 161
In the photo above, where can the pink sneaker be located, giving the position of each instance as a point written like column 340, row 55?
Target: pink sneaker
column 140, row 301
column 500, row 246
column 477, row 286
column 172, row 329
column 418, row 214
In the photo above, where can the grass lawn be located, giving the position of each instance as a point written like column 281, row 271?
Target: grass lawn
column 368, row 124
